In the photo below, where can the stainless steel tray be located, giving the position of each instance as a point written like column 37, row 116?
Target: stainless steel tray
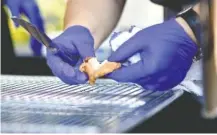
column 39, row 104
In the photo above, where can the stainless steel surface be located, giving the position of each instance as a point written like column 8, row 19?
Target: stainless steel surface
column 36, row 104
column 209, row 62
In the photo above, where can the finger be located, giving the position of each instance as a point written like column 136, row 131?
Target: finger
column 80, row 61
column 67, row 73
column 135, row 71
column 127, row 49
column 66, row 51
column 82, row 40
column 36, row 47
column 127, row 74
column 15, row 12
column 106, row 68
column 163, row 80
column 64, row 45
column 14, row 8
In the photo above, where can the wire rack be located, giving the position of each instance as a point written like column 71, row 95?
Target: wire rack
column 46, row 102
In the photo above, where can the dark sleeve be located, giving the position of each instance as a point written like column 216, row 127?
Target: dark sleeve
column 174, row 4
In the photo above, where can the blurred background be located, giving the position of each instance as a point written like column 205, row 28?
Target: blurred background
column 51, row 14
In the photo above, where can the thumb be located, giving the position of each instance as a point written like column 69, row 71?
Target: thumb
column 83, row 41
column 128, row 73
column 127, row 49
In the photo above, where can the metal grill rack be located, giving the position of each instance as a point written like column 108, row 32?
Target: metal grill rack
column 46, row 105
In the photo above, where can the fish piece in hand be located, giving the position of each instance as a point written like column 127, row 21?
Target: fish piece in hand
column 95, row 70
column 105, row 68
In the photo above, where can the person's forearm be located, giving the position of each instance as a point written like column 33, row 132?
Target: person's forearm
column 99, row 16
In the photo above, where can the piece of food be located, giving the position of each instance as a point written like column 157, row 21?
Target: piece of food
column 105, row 68
column 95, row 70
column 89, row 66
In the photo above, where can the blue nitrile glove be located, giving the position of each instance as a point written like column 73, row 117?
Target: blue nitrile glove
column 30, row 9
column 166, row 55
column 76, row 41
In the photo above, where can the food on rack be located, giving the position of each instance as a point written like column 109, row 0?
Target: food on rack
column 89, row 66
column 105, row 68
column 95, row 70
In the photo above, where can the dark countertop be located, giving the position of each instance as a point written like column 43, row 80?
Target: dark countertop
column 182, row 116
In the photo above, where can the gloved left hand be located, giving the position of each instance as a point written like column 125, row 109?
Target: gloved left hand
column 166, row 55
column 30, row 9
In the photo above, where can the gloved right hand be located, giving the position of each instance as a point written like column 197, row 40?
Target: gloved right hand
column 78, row 42
column 166, row 52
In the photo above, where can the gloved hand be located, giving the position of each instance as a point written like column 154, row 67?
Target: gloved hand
column 166, row 55
column 30, row 9
column 78, row 42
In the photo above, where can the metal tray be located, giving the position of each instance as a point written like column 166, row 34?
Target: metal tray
column 39, row 104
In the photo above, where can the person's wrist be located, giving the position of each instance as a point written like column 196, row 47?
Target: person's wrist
column 184, row 23
column 186, row 28
column 196, row 8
